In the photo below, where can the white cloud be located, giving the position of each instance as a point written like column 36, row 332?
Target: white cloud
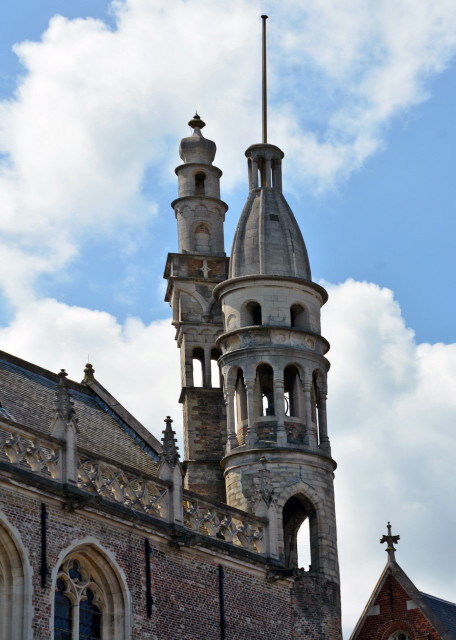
column 392, row 417
column 97, row 107
column 391, row 413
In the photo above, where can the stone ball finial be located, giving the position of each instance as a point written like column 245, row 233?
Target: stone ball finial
column 196, row 148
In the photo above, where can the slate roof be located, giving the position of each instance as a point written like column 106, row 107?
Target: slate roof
column 27, row 395
column 444, row 610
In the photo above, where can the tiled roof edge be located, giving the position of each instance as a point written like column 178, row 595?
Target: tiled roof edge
column 146, row 440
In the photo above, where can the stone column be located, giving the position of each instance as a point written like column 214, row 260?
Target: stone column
column 254, row 184
column 267, row 168
column 322, row 422
column 251, row 435
column 279, row 402
column 207, row 372
column 232, row 441
column 311, row 440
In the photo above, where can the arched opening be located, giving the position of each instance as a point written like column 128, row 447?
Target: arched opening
column 292, row 390
column 202, row 239
column 14, row 595
column 199, row 184
column 89, row 601
column 198, row 367
column 400, row 635
column 299, row 316
column 215, row 369
column 299, row 517
column 252, row 314
column 265, row 390
column 240, row 406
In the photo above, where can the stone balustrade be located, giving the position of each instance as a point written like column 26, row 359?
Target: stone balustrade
column 113, row 483
column 30, row 452
column 148, row 495
column 224, row 523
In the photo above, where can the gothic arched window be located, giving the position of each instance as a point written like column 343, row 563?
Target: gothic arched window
column 78, row 604
column 15, row 603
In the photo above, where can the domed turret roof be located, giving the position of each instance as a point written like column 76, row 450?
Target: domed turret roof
column 268, row 240
column 196, row 148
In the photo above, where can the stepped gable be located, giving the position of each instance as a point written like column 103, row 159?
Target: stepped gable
column 28, row 395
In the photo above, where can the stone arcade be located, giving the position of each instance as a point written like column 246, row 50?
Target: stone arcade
column 104, row 533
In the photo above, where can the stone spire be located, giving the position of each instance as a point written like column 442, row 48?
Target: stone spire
column 64, row 425
column 64, row 413
column 170, row 451
column 390, row 540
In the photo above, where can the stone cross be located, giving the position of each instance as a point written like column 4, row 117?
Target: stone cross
column 390, row 540
column 205, row 269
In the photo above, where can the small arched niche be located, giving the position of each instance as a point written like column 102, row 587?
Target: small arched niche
column 202, row 238
column 252, row 314
column 200, row 188
column 299, row 317
column 300, row 522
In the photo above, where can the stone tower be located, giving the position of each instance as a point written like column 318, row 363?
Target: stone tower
column 274, row 373
column 192, row 275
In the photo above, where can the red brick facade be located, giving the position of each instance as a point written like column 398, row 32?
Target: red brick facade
column 184, row 580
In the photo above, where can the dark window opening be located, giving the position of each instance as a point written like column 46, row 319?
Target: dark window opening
column 253, row 314
column 199, row 184
column 62, row 613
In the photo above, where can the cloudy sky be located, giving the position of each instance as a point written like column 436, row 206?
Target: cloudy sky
column 94, row 97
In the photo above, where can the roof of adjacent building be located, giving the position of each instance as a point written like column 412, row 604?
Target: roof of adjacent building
column 441, row 614
column 444, row 610
column 105, row 428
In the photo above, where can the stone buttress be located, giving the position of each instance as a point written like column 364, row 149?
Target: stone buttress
column 192, row 275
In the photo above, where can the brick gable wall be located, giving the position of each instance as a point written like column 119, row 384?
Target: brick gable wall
column 395, row 616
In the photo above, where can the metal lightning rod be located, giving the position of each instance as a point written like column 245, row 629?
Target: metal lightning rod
column 265, row 97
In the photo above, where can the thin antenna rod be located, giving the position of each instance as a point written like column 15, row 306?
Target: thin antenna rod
column 265, row 98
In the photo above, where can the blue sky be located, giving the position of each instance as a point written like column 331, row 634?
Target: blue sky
column 362, row 101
